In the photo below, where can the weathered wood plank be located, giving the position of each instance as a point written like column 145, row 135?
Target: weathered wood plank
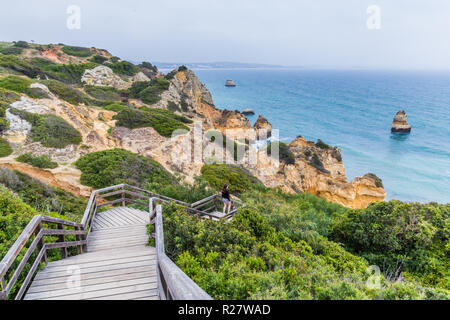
column 96, row 275
column 74, row 295
column 44, row 287
column 97, row 289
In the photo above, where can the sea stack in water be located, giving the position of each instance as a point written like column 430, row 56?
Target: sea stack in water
column 400, row 125
column 230, row 83
column 263, row 128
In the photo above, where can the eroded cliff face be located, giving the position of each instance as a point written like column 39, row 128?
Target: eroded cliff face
column 317, row 169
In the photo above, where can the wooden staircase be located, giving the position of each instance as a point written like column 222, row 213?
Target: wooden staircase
column 113, row 261
column 118, row 264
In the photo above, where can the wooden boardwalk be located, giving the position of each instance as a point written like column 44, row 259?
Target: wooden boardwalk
column 118, row 264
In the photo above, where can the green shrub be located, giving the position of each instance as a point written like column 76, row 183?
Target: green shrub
column 400, row 237
column 14, row 65
column 164, row 124
column 5, row 148
column 65, row 92
column 149, row 91
column 111, row 167
column 284, row 153
column 67, row 73
column 99, row 59
column 116, row 107
column 123, row 68
column 149, row 66
column 77, row 51
column 378, row 181
column 11, row 50
column 51, row 130
column 238, row 179
column 21, row 44
column 103, row 93
column 43, row 161
column 322, row 145
column 21, row 85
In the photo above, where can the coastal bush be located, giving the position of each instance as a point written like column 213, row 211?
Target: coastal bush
column 237, row 178
column 103, row 93
column 51, row 130
column 67, row 73
column 65, row 92
column 21, row 85
column 400, row 237
column 11, row 50
column 284, row 153
column 99, row 59
column 21, row 44
column 42, row 197
column 42, row 162
column 375, row 178
column 116, row 166
column 163, row 121
column 123, row 67
column 149, row 66
column 149, row 91
column 248, row 258
column 13, row 65
column 5, row 148
column 116, row 107
column 77, row 51
column 322, row 145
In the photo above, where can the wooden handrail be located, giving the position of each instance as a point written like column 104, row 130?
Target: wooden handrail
column 98, row 199
column 173, row 283
column 35, row 227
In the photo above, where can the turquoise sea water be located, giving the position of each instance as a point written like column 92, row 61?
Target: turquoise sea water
column 354, row 111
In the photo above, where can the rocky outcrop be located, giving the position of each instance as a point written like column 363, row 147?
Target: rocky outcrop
column 103, row 76
column 140, row 76
column 318, row 170
column 263, row 128
column 400, row 125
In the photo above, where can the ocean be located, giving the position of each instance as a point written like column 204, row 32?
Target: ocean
column 353, row 110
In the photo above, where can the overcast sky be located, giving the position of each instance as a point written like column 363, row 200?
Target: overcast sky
column 414, row 34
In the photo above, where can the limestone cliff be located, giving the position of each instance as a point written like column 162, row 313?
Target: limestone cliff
column 311, row 167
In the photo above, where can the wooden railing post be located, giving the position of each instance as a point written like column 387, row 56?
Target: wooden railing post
column 3, row 289
column 78, row 238
column 41, row 243
column 61, row 239
column 123, row 196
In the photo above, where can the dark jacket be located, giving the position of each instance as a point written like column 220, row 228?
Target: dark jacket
column 226, row 194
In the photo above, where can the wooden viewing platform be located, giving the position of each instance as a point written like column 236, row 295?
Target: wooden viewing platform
column 113, row 261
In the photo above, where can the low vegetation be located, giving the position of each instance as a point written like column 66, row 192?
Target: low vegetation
column 5, row 148
column 163, row 121
column 77, row 51
column 284, row 153
column 21, row 85
column 43, row 162
column 42, row 197
column 51, row 130
column 237, row 178
column 67, row 73
column 103, row 93
column 123, row 68
column 111, row 167
column 149, row 91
